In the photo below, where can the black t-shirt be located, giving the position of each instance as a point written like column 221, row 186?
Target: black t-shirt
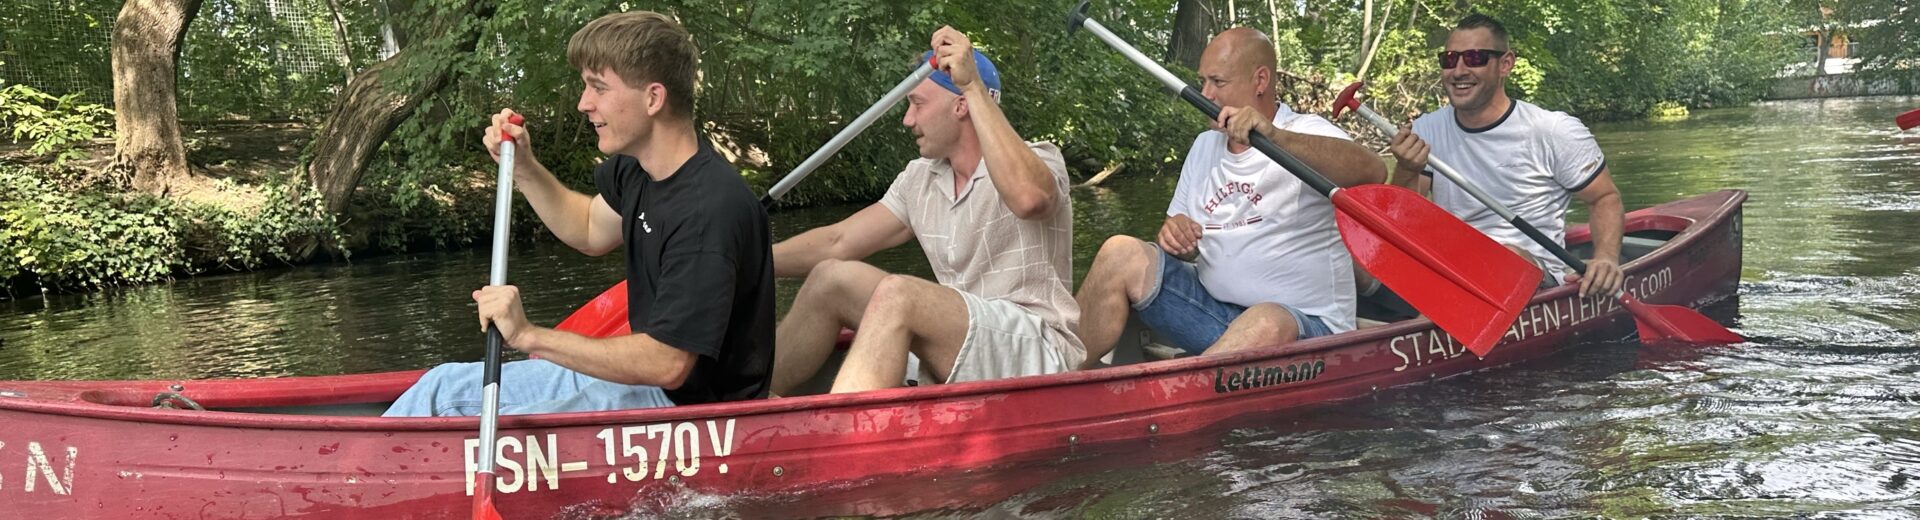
column 699, row 271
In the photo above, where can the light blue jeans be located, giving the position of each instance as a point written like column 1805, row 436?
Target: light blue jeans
column 1184, row 314
column 526, row 387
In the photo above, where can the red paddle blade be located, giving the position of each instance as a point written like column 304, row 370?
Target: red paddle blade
column 483, row 498
column 1469, row 285
column 1908, row 120
column 1676, row 324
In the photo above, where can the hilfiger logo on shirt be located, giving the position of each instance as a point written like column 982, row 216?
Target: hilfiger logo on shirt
column 643, row 223
column 1232, row 225
column 1231, row 189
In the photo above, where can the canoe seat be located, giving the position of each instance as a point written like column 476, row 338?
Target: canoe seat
column 1158, row 352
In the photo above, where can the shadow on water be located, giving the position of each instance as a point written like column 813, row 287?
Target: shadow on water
column 1818, row 417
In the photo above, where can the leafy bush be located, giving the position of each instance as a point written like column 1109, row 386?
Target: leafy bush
column 56, row 126
column 83, row 240
column 65, row 238
column 284, row 226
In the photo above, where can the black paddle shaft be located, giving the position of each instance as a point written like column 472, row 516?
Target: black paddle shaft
column 494, row 343
column 1078, row 19
column 1552, row 247
column 1266, row 146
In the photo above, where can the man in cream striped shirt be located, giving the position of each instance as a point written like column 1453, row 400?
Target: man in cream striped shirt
column 990, row 211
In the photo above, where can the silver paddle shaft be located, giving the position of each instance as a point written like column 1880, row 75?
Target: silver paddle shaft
column 1448, row 171
column 852, row 130
column 502, row 205
column 490, row 394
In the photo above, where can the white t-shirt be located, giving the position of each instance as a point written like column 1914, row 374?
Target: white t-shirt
column 1267, row 236
column 1532, row 160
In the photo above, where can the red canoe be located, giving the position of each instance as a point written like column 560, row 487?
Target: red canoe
column 304, row 447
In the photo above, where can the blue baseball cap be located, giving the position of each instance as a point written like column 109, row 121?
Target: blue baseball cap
column 989, row 75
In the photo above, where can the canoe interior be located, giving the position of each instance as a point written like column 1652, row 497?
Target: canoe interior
column 1137, row 344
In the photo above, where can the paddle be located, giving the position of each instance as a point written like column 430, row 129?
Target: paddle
column 1908, row 120
column 847, row 134
column 1473, row 290
column 1655, row 322
column 483, row 508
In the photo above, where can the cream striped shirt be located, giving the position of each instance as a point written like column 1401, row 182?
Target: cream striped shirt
column 978, row 246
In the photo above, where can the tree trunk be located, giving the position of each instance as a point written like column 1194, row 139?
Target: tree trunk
column 148, row 149
column 1820, row 52
column 1366, row 35
column 378, row 99
column 1274, row 21
column 340, row 32
column 1373, row 48
column 1192, row 29
column 392, row 39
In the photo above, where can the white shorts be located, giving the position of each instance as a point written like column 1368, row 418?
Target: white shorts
column 1005, row 340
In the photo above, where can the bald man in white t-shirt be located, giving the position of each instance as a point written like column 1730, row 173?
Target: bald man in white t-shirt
column 1249, row 255
column 1532, row 160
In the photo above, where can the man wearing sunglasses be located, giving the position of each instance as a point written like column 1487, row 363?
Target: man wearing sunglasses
column 1532, row 160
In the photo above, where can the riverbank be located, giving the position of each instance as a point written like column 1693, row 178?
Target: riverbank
column 64, row 229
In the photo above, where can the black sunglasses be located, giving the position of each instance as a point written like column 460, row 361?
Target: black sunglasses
column 1475, row 57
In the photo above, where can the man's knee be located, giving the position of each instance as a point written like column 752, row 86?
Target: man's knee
column 835, row 282
column 826, row 274
column 1123, row 262
column 444, row 374
column 891, row 295
column 1270, row 324
column 1123, row 251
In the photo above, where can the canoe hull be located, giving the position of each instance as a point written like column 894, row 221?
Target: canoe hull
column 96, row 450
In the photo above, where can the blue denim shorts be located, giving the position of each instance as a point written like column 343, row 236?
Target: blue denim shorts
column 1183, row 314
column 526, row 387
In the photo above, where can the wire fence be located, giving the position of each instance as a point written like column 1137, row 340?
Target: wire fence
column 241, row 60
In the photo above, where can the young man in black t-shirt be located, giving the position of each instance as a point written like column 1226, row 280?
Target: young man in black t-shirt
column 699, row 257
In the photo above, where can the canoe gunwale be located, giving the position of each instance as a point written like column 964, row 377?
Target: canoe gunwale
column 1690, row 225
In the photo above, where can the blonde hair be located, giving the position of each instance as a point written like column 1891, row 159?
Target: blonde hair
column 641, row 47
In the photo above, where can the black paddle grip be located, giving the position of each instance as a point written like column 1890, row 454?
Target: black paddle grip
column 494, row 343
column 1078, row 16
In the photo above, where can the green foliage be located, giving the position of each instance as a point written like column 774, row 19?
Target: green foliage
column 61, row 236
column 82, row 239
column 1668, row 110
column 781, row 77
column 283, row 225
column 1610, row 59
column 56, row 126
column 59, row 46
column 247, row 59
column 1617, row 59
column 1885, row 30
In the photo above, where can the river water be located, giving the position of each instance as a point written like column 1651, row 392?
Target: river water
column 1819, row 416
